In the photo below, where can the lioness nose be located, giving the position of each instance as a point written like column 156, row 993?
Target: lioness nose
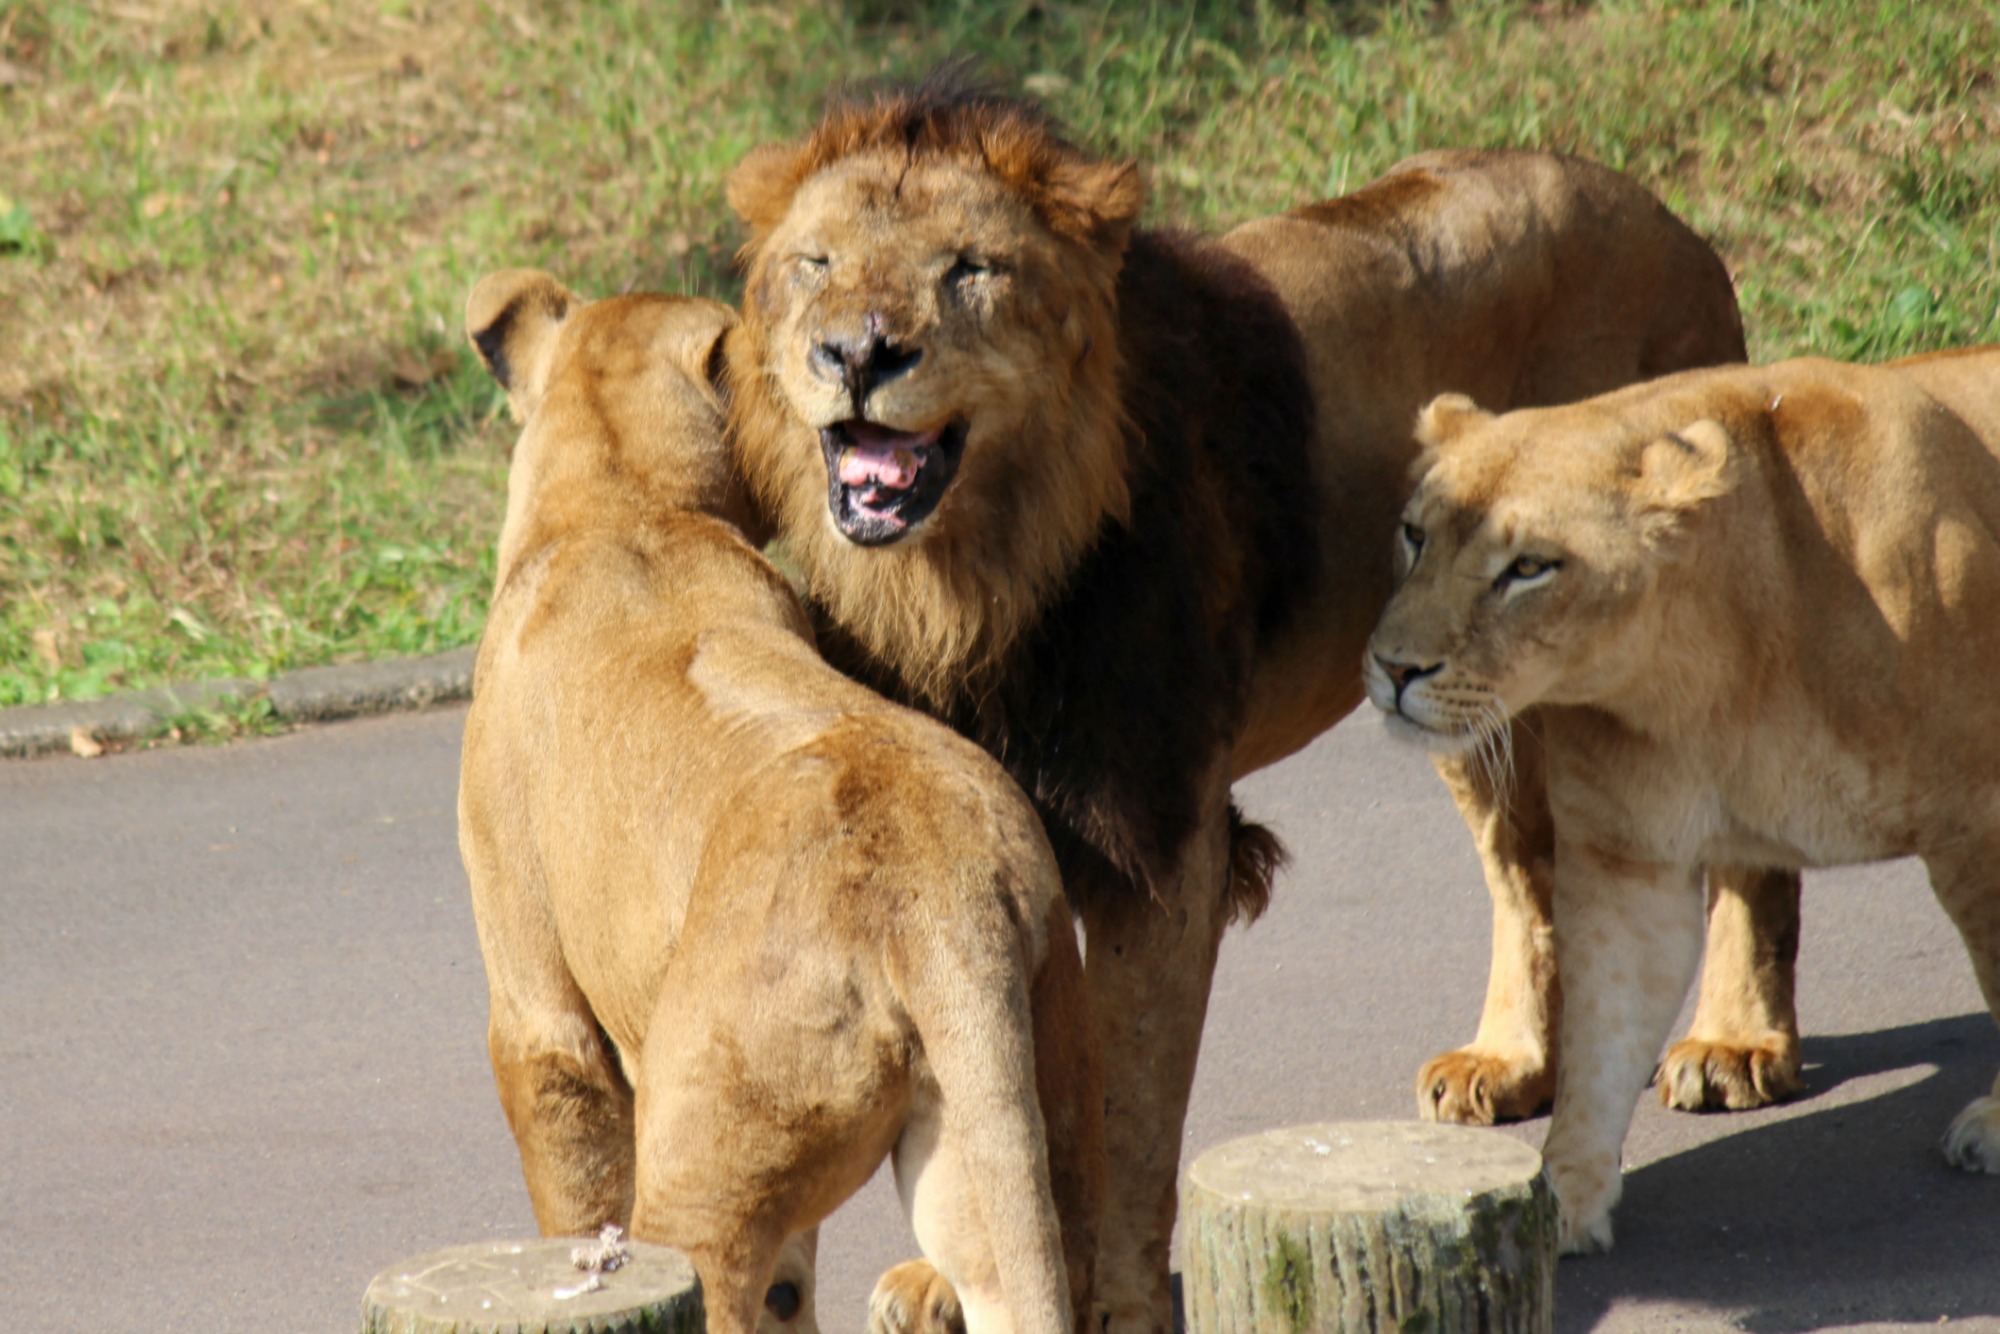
column 862, row 361
column 1401, row 674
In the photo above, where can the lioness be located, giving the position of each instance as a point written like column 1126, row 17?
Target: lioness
column 748, row 928
column 1755, row 611
column 1117, row 503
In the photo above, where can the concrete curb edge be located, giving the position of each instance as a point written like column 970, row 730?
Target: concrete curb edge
column 314, row 694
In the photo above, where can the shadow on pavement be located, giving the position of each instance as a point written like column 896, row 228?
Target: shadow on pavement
column 1814, row 1216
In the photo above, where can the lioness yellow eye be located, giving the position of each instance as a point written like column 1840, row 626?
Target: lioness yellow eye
column 1525, row 568
column 1414, row 536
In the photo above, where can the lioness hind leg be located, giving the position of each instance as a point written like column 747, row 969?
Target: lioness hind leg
column 745, row 1143
column 561, row 1083
column 1743, row 1049
column 1967, row 886
column 944, row 1200
column 1507, row 1073
column 571, row 1113
column 954, row 1206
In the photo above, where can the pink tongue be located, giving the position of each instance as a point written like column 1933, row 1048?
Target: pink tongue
column 882, row 457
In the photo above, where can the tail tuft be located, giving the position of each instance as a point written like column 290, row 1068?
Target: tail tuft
column 1256, row 855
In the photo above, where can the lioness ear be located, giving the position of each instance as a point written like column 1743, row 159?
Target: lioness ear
column 1680, row 472
column 512, row 319
column 696, row 346
column 1446, row 417
column 761, row 186
column 1097, row 201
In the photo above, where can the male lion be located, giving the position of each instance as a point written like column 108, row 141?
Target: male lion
column 748, row 928
column 1118, row 504
column 1755, row 611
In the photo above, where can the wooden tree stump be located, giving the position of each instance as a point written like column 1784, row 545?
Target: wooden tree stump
column 1369, row 1227
column 512, row 1287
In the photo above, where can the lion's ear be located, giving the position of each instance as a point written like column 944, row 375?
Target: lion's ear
column 1100, row 201
column 512, row 319
column 1446, row 417
column 1683, row 470
column 761, row 186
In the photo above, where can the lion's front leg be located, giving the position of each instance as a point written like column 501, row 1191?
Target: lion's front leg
column 1507, row 1072
column 1628, row 936
column 1743, row 1049
column 1148, row 965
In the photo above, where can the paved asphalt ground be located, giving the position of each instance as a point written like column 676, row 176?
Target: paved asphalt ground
column 242, row 1065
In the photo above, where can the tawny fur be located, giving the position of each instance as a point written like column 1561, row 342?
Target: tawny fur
column 1742, row 603
column 748, row 927
column 1158, row 564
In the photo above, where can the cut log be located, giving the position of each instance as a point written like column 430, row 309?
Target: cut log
column 514, row 1287
column 1368, row 1228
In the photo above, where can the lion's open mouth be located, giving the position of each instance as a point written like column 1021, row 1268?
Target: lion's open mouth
column 881, row 483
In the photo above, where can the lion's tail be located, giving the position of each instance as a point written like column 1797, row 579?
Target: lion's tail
column 1008, row 1037
column 1256, row 855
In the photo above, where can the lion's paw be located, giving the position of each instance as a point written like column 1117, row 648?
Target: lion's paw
column 1700, row 1076
column 1473, row 1088
column 1584, row 1200
column 913, row 1298
column 1973, row 1141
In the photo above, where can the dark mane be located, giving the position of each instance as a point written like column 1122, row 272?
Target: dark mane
column 1118, row 704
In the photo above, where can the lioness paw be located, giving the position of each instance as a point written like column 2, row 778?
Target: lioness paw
column 913, row 1298
column 1973, row 1141
column 1577, row 1236
column 1473, row 1088
column 1699, row 1076
column 1583, row 1209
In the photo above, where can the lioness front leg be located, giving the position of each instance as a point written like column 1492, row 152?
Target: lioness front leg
column 1743, row 1049
column 1148, row 965
column 1507, row 1073
column 1628, row 935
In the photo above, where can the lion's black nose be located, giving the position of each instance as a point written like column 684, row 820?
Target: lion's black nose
column 862, row 361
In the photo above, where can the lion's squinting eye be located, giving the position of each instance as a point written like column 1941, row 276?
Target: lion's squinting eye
column 1413, row 540
column 969, row 268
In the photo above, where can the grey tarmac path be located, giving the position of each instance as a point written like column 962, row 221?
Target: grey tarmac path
column 242, row 1064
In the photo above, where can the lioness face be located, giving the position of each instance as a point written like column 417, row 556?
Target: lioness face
column 1526, row 565
column 917, row 325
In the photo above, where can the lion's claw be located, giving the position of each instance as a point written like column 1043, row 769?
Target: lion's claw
column 1472, row 1088
column 1701, row 1076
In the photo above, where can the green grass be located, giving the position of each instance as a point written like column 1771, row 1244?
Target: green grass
column 238, row 430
